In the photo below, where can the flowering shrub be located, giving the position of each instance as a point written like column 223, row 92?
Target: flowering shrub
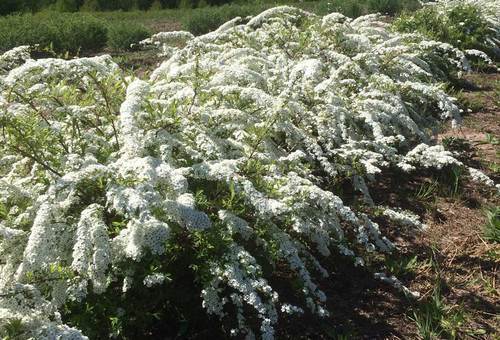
column 226, row 165
column 471, row 25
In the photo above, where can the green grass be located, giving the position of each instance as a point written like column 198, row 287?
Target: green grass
column 401, row 266
column 433, row 316
column 492, row 226
column 436, row 320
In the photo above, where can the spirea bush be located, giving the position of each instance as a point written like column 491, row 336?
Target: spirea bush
column 471, row 25
column 124, row 200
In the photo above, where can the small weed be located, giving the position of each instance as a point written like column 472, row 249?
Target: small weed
column 13, row 329
column 492, row 226
column 468, row 102
column 461, row 147
column 494, row 167
column 427, row 191
column 455, row 183
column 493, row 140
column 433, row 317
column 487, row 283
column 405, row 265
column 493, row 254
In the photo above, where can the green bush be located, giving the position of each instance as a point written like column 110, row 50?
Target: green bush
column 66, row 6
column 204, row 20
column 64, row 32
column 463, row 26
column 122, row 35
column 356, row 8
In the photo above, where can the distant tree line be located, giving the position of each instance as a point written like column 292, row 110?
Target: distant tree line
column 13, row 6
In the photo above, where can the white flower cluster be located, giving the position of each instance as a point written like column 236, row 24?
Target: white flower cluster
column 404, row 218
column 242, row 273
column 38, row 318
column 13, row 58
column 154, row 279
column 167, row 41
column 250, row 129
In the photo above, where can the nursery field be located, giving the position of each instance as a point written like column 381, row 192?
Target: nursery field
column 252, row 172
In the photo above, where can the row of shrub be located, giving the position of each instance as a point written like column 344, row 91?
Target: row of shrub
column 351, row 7
column 203, row 20
column 12, row 6
column 68, row 32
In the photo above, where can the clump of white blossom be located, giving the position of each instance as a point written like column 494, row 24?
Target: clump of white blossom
column 99, row 174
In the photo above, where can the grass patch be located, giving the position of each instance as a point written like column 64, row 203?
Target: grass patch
column 433, row 317
column 403, row 266
column 469, row 101
column 436, row 320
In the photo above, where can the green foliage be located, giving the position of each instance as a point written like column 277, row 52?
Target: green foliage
column 204, row 20
column 491, row 139
column 400, row 266
column 90, row 6
column 461, row 147
column 492, row 226
column 462, row 26
column 436, row 320
column 62, row 32
column 155, row 6
column 356, row 8
column 69, row 32
column 66, row 6
column 13, row 329
column 434, row 317
column 122, row 35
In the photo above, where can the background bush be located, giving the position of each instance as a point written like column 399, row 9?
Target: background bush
column 204, row 20
column 122, row 35
column 463, row 26
column 12, row 6
column 68, row 32
column 62, row 32
column 356, row 8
